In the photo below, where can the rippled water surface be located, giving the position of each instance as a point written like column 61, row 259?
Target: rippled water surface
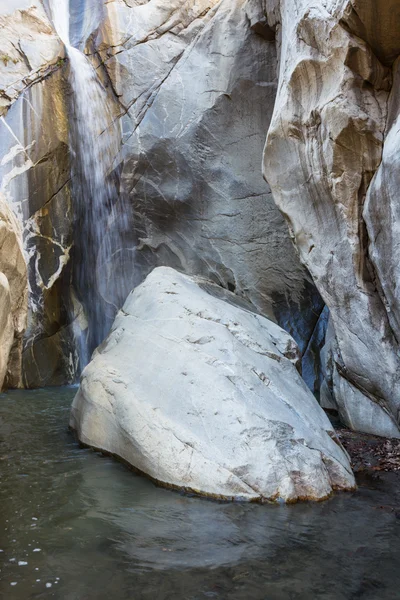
column 75, row 525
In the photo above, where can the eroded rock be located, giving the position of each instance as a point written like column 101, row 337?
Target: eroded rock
column 29, row 48
column 35, row 180
column 323, row 149
column 13, row 296
column 202, row 395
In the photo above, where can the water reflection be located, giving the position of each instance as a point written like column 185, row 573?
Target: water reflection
column 92, row 530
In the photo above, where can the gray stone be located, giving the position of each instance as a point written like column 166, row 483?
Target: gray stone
column 189, row 84
column 196, row 85
column 204, row 396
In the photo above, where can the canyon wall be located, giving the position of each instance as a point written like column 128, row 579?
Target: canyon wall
column 13, row 297
column 196, row 83
column 330, row 159
column 34, row 176
column 192, row 88
column 195, row 88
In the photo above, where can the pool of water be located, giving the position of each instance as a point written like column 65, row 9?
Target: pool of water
column 75, row 525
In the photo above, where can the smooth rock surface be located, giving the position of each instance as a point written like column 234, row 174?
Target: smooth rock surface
column 382, row 212
column 324, row 146
column 202, row 395
column 196, row 83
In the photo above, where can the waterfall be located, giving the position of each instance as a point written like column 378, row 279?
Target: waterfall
column 100, row 272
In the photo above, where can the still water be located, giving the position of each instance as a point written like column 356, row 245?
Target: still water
column 75, row 525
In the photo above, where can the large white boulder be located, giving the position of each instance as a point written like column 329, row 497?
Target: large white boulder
column 204, row 396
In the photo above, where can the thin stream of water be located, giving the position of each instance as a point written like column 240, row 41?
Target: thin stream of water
column 101, row 218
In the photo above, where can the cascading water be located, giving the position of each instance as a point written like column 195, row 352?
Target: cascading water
column 100, row 270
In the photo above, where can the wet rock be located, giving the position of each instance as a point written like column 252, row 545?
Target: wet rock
column 35, row 180
column 312, row 367
column 193, row 126
column 204, row 396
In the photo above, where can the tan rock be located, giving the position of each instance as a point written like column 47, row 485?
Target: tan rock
column 29, row 48
column 13, row 296
column 34, row 178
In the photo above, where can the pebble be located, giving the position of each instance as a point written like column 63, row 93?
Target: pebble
column 22, row 563
column 13, row 583
column 48, row 585
column 37, row 550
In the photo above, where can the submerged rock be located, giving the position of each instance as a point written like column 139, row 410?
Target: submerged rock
column 203, row 395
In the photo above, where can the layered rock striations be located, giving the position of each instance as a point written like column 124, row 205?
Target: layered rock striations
column 330, row 161
column 34, row 178
column 203, row 395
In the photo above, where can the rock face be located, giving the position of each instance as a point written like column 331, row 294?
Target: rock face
column 330, row 161
column 193, row 95
column 202, row 395
column 196, row 83
column 13, row 297
column 194, row 89
column 29, row 48
column 34, row 178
